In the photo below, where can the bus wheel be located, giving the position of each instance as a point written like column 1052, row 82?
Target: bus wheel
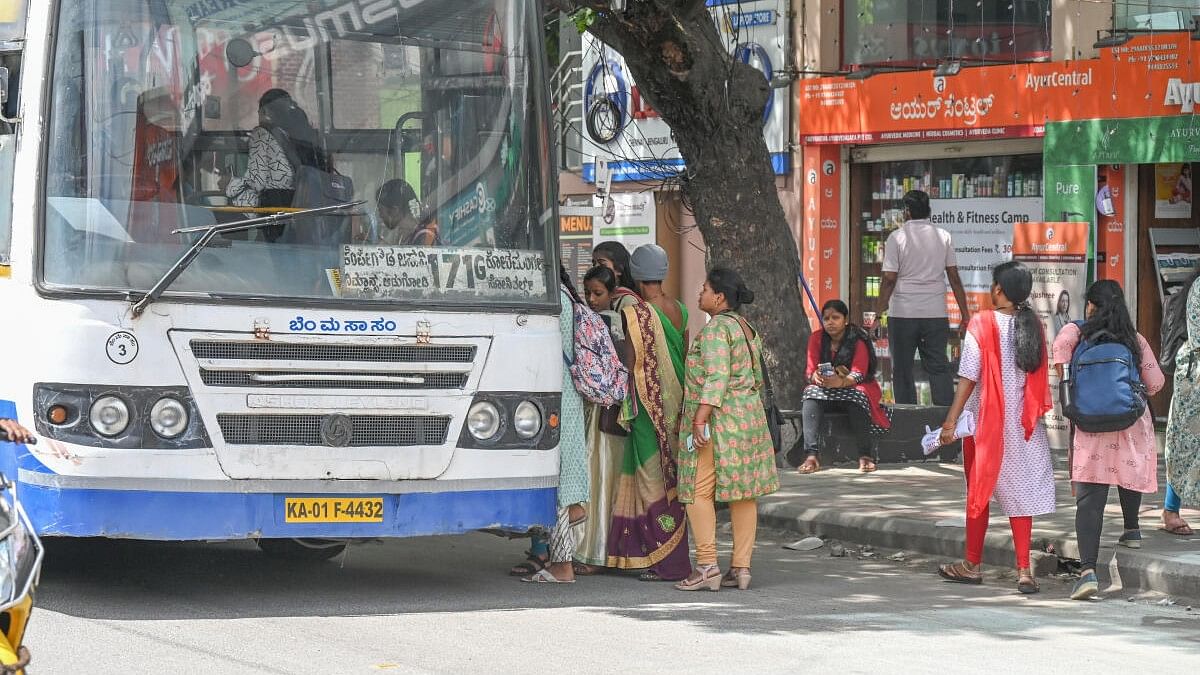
column 310, row 550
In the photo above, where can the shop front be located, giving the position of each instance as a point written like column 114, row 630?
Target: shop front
column 1108, row 142
column 971, row 141
column 1158, row 229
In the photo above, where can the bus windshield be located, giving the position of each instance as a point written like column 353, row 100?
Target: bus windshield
column 173, row 114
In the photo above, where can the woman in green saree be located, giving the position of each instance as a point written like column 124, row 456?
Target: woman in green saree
column 649, row 530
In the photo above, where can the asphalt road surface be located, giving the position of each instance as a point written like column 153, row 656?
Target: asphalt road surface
column 445, row 605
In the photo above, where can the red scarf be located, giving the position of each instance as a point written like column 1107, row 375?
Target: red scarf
column 989, row 426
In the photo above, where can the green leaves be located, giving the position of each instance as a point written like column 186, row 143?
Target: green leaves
column 583, row 18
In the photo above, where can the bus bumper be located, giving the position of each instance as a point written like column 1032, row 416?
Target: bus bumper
column 58, row 508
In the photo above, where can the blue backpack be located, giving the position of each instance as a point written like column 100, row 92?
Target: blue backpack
column 1106, row 392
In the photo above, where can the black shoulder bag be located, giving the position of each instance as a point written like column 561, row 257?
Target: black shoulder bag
column 770, row 409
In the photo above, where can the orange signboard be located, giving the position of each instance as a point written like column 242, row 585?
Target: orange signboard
column 1111, row 228
column 1150, row 76
column 820, row 236
column 1050, row 242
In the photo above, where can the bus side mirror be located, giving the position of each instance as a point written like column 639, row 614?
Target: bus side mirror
column 240, row 53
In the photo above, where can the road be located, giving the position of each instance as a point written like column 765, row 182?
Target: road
column 444, row 605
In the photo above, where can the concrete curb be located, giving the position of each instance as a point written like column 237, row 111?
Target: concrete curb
column 1132, row 570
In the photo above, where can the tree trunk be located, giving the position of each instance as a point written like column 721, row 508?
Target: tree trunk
column 714, row 105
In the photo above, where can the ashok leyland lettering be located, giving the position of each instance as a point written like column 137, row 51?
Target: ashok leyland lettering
column 230, row 329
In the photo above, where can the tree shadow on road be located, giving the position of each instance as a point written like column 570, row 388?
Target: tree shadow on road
column 794, row 593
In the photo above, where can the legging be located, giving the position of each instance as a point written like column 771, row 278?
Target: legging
column 1172, row 502
column 702, row 517
column 1090, row 500
column 1022, row 526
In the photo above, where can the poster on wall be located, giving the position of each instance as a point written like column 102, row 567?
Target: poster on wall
column 575, row 245
column 1173, row 190
column 620, row 126
column 1056, row 254
column 627, row 217
column 982, row 233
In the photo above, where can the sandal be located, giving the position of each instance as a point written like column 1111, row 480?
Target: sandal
column 585, row 570
column 702, row 578
column 532, row 565
column 544, row 576
column 866, row 465
column 1026, row 583
column 736, row 577
column 1181, row 530
column 810, row 465
column 960, row 573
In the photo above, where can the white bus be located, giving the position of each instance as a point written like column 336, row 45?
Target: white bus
column 359, row 373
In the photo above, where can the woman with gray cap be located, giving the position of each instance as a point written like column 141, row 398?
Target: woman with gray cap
column 648, row 528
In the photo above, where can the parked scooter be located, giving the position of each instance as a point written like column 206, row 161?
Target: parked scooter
column 21, row 555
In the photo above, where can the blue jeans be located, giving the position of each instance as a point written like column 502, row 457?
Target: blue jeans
column 1172, row 502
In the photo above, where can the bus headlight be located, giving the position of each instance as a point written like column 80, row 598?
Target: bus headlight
column 109, row 416
column 527, row 419
column 483, row 420
column 168, row 417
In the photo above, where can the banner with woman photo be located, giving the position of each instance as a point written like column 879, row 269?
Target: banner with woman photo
column 1056, row 254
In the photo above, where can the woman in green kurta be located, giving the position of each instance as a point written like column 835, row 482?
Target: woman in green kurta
column 649, row 530
column 726, row 452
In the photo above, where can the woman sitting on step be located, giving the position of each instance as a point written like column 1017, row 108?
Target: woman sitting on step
column 841, row 373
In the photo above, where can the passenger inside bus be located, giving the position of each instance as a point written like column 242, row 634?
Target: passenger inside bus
column 154, row 210
column 270, row 177
column 401, row 218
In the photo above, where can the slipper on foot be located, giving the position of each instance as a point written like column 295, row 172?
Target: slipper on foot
column 545, row 577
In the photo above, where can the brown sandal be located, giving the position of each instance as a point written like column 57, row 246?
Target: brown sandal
column 810, row 465
column 960, row 573
column 866, row 465
column 585, row 570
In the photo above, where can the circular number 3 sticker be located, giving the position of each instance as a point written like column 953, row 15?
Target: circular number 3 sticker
column 122, row 347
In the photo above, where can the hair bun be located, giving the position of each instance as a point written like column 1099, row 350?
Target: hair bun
column 745, row 296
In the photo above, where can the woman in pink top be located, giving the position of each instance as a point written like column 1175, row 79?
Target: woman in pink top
column 1127, row 458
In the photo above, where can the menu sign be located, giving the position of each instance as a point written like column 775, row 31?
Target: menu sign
column 405, row 272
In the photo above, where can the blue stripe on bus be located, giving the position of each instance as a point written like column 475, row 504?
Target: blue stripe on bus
column 225, row 515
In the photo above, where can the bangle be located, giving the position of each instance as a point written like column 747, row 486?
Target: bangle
column 946, row 426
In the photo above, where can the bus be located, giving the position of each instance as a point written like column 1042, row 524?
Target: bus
column 218, row 329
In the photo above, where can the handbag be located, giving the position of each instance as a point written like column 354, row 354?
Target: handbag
column 770, row 409
column 610, row 421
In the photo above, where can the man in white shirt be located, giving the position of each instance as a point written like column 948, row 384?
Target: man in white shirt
column 918, row 259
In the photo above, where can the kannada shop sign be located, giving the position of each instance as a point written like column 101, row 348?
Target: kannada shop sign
column 1151, row 76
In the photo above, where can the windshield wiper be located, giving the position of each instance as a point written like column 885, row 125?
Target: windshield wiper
column 211, row 231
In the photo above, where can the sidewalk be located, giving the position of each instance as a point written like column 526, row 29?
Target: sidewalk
column 900, row 505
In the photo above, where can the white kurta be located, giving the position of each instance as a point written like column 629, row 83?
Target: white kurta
column 1025, row 486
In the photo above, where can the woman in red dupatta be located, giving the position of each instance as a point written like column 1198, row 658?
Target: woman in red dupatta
column 1002, row 380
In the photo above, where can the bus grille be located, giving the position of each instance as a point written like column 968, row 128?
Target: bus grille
column 366, row 430
column 237, row 378
column 281, row 351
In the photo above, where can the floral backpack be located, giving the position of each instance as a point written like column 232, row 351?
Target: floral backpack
column 596, row 370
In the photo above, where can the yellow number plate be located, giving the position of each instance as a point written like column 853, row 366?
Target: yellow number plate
column 333, row 510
